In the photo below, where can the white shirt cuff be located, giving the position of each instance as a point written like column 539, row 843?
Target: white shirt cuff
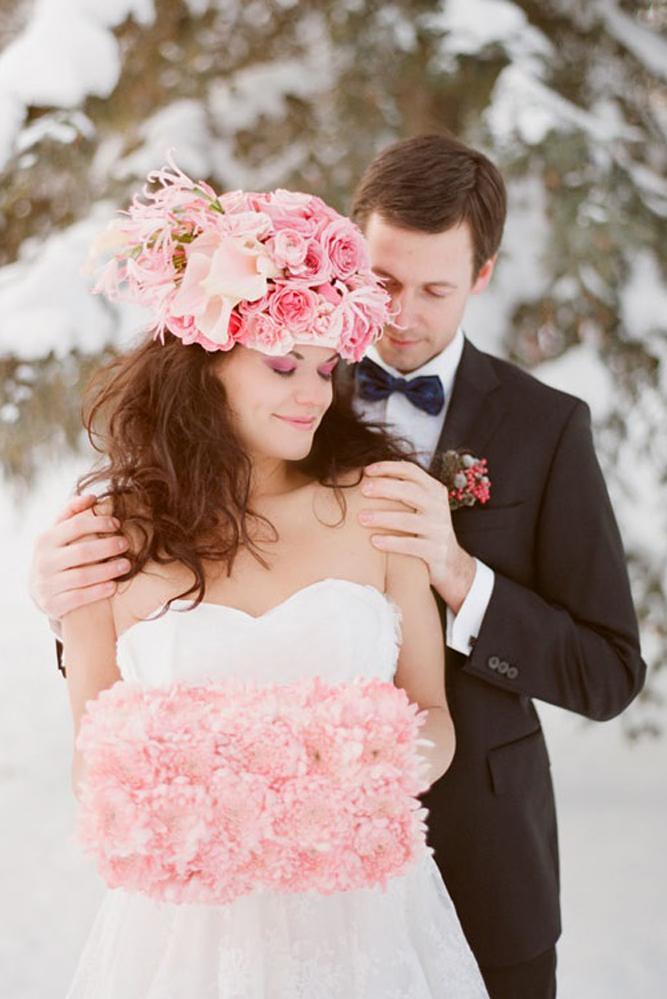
column 464, row 627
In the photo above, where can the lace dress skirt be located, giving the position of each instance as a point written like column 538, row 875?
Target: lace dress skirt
column 402, row 943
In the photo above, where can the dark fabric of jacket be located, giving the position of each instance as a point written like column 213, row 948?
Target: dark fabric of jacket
column 560, row 627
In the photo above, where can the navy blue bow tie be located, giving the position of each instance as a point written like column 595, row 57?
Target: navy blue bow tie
column 374, row 383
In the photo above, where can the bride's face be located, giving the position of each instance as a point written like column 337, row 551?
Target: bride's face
column 278, row 402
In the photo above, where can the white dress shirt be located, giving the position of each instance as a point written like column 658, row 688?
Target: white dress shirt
column 423, row 431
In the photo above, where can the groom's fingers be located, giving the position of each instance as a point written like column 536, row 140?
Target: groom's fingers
column 396, row 489
column 89, row 551
column 388, row 520
column 70, row 600
column 81, row 525
column 404, row 471
column 401, row 544
column 399, row 469
column 86, row 576
column 75, row 505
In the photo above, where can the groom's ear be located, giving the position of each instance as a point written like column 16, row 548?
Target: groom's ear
column 484, row 275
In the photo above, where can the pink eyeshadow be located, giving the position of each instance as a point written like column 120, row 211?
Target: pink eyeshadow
column 278, row 366
column 329, row 369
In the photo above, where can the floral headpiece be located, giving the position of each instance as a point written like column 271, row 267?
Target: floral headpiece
column 265, row 270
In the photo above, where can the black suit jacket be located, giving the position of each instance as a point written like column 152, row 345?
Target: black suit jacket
column 560, row 627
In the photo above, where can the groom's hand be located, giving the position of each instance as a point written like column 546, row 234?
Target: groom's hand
column 76, row 560
column 425, row 529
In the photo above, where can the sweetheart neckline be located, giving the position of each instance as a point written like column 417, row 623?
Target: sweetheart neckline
column 386, row 599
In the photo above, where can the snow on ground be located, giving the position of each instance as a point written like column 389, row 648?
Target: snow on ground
column 612, row 806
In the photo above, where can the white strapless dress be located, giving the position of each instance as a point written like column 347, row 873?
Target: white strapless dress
column 402, row 943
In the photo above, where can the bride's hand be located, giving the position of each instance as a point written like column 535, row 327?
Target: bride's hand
column 68, row 568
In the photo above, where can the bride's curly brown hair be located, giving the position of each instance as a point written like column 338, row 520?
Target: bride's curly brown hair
column 174, row 469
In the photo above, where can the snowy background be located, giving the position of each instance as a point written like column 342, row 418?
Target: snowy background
column 571, row 100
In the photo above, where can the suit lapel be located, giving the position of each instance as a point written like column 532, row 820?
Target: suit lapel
column 476, row 407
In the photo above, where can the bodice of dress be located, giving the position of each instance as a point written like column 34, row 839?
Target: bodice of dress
column 402, row 941
column 334, row 628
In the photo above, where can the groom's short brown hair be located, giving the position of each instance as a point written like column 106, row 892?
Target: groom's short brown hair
column 431, row 183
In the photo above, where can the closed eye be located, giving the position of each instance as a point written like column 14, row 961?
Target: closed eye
column 285, row 373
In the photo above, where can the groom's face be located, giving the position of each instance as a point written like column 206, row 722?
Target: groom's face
column 430, row 278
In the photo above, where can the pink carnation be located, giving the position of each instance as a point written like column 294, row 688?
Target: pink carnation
column 265, row 334
column 201, row 793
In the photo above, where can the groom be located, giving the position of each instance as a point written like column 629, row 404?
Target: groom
column 532, row 586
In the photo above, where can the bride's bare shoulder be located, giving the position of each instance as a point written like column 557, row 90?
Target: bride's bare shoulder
column 353, row 499
column 139, row 597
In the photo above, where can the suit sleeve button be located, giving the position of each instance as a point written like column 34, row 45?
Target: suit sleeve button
column 503, row 667
column 512, row 673
column 494, row 662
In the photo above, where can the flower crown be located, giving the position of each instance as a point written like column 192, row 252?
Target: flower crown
column 265, row 270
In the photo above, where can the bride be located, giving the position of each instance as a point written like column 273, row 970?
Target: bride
column 237, row 474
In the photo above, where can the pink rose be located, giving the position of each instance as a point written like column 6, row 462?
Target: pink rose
column 345, row 248
column 289, row 248
column 322, row 211
column 186, row 329
column 291, row 210
column 316, row 267
column 253, row 201
column 293, row 201
column 264, row 333
column 329, row 294
column 282, row 219
column 248, row 225
column 294, row 307
column 254, row 308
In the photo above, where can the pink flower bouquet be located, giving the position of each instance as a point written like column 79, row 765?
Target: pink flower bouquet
column 264, row 270
column 202, row 793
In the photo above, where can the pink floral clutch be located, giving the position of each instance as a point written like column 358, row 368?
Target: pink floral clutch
column 203, row 793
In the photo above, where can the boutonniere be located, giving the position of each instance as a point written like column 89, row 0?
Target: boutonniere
column 465, row 476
